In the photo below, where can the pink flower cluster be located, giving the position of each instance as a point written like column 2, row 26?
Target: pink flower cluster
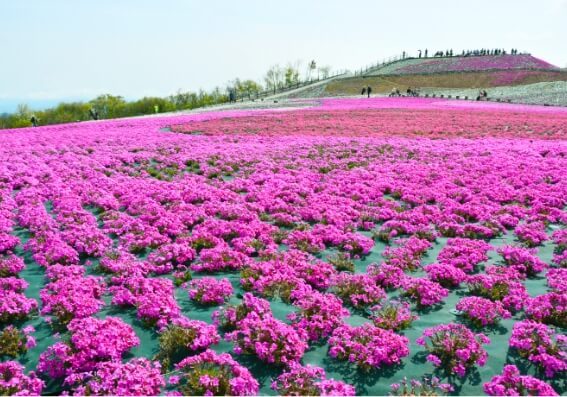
column 386, row 276
column 454, row 348
column 14, row 382
column 482, row 311
column 523, row 260
column 271, row 340
column 92, row 341
column 14, row 305
column 424, row 292
column 464, row 254
column 498, row 287
column 560, row 240
column 228, row 317
column 307, row 380
column 550, row 308
column 447, row 276
column 541, row 345
column 214, row 374
column 210, row 291
column 511, row 383
column 137, row 377
column 368, row 346
column 11, row 265
column 359, row 290
column 153, row 297
column 557, row 280
column 393, row 315
column 72, row 297
column 14, row 342
column 285, row 272
column 531, row 234
column 408, row 254
column 318, row 315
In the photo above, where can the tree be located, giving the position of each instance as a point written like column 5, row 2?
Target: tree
column 291, row 75
column 325, row 71
column 246, row 87
column 274, row 78
column 109, row 106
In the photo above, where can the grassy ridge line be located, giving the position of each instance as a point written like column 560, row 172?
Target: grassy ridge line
column 463, row 64
column 384, row 84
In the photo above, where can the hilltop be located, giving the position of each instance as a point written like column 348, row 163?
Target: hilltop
column 520, row 78
column 463, row 64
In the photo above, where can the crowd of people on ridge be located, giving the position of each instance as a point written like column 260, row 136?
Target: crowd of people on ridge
column 466, row 53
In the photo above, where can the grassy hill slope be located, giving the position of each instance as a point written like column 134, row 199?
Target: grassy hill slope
column 385, row 83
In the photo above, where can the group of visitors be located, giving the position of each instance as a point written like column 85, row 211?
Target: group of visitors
column 482, row 95
column 467, row 53
column 409, row 92
column 366, row 90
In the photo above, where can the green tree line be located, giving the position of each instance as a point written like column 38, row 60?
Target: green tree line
column 111, row 107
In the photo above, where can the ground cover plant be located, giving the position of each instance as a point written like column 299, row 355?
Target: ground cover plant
column 337, row 246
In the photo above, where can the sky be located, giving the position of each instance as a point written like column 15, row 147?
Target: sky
column 77, row 49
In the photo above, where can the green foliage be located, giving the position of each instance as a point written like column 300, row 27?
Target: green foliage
column 173, row 345
column 341, row 262
column 12, row 342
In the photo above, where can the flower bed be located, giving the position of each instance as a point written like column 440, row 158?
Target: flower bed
column 118, row 219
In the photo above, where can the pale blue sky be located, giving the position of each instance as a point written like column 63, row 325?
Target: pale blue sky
column 60, row 49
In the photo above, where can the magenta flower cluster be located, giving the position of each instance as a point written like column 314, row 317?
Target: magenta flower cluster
column 540, row 344
column 368, row 346
column 308, row 380
column 423, row 292
column 211, row 374
column 210, row 291
column 481, row 311
column 14, row 382
column 511, row 383
column 454, row 348
column 393, row 315
column 271, row 340
column 319, row 314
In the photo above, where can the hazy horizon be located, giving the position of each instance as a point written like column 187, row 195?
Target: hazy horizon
column 67, row 50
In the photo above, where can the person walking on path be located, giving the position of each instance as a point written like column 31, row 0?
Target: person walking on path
column 363, row 91
column 368, row 91
column 93, row 113
column 33, row 121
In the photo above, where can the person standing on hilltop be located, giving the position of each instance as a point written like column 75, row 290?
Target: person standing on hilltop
column 368, row 90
